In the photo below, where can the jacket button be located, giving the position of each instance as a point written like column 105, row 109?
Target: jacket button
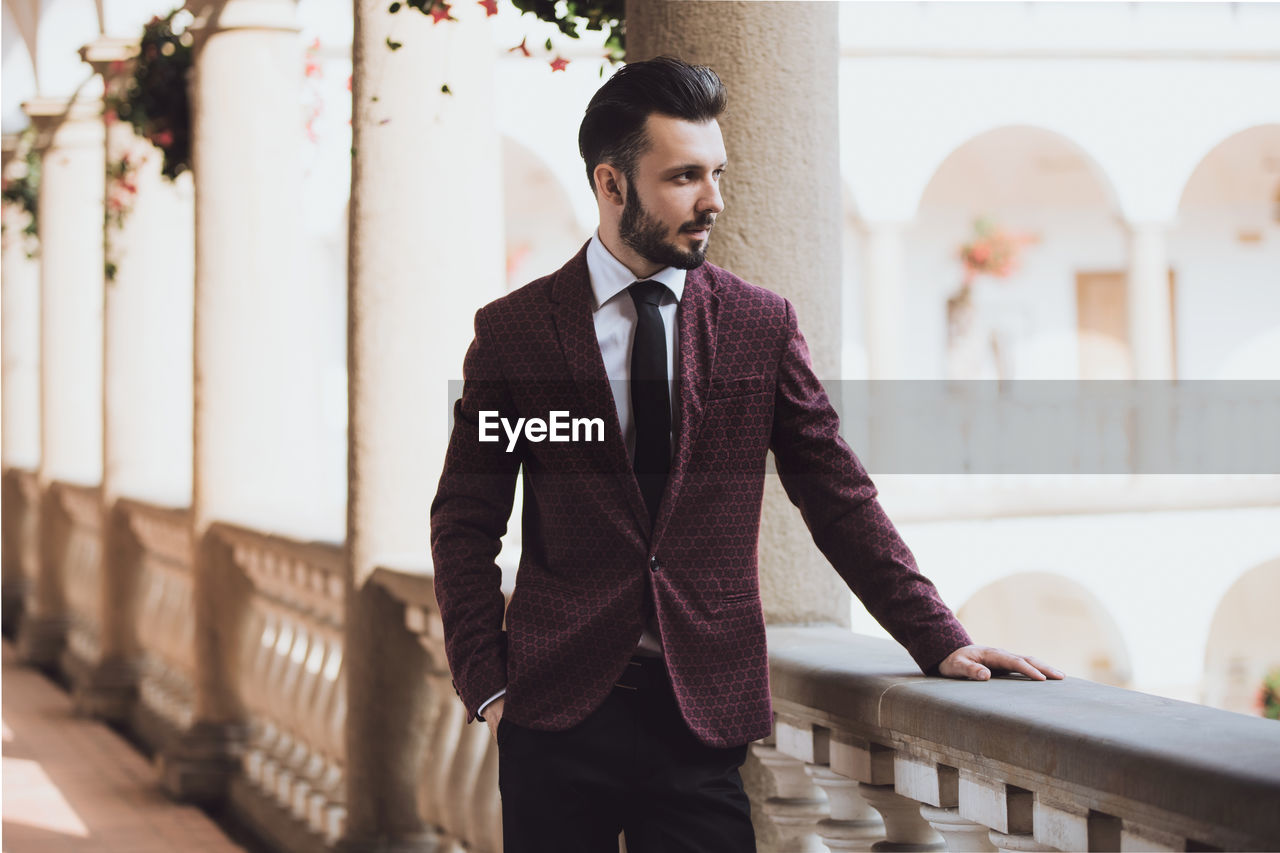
column 653, row 564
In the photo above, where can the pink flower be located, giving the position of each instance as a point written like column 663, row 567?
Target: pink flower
column 164, row 138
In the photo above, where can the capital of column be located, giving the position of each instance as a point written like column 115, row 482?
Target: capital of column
column 110, row 55
column 65, row 122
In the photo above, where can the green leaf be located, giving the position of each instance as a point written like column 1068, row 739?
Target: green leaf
column 394, row 45
column 548, row 44
column 445, row 90
column 395, row 7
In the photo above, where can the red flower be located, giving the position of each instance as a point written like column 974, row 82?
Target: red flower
column 110, row 117
column 440, row 12
column 980, row 253
column 311, row 70
column 559, row 63
column 164, row 138
column 490, row 7
column 522, row 48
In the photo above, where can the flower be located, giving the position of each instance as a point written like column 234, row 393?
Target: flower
column 559, row 63
column 163, row 138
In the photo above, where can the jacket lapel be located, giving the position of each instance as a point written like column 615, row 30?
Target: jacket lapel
column 575, row 327
column 696, row 324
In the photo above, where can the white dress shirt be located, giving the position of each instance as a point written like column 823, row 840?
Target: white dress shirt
column 614, row 313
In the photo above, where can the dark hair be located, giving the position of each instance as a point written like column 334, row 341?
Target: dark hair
column 613, row 129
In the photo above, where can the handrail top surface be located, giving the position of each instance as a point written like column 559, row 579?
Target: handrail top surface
column 1204, row 763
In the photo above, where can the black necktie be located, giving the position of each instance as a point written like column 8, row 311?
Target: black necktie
column 650, row 400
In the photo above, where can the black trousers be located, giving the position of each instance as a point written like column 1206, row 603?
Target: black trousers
column 632, row 766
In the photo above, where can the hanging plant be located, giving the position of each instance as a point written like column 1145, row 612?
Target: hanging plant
column 567, row 15
column 155, row 98
column 22, row 185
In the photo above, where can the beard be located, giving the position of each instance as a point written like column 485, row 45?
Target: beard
column 647, row 237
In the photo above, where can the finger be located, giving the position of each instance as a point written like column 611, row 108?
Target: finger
column 974, row 670
column 1014, row 663
column 1050, row 671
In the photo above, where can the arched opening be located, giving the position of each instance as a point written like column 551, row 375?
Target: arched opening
column 1054, row 618
column 1244, row 641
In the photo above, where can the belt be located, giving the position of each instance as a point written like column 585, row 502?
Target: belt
column 643, row 672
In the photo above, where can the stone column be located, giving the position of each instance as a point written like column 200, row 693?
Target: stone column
column 256, row 391
column 1007, row 843
column 426, row 250
column 1150, row 311
column 147, row 373
column 71, row 279
column 768, row 190
column 793, row 200
column 20, row 313
column 884, row 298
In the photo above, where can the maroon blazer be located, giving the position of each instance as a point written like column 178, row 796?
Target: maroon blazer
column 590, row 563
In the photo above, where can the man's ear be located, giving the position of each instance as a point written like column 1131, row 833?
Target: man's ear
column 610, row 183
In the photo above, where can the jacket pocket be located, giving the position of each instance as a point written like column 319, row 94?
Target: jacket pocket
column 736, row 386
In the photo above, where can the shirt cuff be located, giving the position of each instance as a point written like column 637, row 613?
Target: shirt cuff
column 486, row 703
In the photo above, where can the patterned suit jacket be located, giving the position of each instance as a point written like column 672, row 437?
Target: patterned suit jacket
column 590, row 563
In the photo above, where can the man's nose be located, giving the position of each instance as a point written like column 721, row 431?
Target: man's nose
column 711, row 201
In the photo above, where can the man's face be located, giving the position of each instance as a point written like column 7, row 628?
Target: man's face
column 672, row 203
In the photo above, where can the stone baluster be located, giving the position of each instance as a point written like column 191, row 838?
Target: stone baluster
column 786, row 820
column 904, row 828
column 853, row 823
column 958, row 832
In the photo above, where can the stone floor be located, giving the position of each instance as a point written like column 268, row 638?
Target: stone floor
column 72, row 784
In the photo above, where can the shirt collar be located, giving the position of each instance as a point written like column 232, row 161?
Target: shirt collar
column 609, row 276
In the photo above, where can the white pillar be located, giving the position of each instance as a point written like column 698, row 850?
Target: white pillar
column 426, row 251
column 786, row 820
column 256, row 386
column 71, row 288
column 71, row 284
column 148, row 371
column 1150, row 311
column 20, row 387
column 883, row 294
column 20, row 313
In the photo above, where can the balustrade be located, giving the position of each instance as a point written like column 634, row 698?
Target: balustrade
column 21, row 520
column 1012, row 764
column 292, row 676
column 166, row 620
column 458, row 786
column 81, row 565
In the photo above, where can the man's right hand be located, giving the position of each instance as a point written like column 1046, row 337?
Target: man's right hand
column 493, row 714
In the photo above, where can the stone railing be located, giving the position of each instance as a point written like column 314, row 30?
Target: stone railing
column 80, row 555
column 458, row 785
column 1008, row 764
column 292, row 681
column 21, row 518
column 165, row 627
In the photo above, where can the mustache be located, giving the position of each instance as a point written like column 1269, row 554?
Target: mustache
column 700, row 225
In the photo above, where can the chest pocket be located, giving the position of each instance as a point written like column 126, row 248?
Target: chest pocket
column 737, row 386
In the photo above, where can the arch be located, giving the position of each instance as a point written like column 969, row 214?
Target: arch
column 541, row 230
column 1244, row 640
column 1009, row 147
column 1234, row 169
column 1062, row 621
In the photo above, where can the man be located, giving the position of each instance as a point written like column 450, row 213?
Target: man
column 633, row 671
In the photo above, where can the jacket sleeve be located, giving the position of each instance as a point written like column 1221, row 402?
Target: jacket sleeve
column 837, row 500
column 468, row 519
